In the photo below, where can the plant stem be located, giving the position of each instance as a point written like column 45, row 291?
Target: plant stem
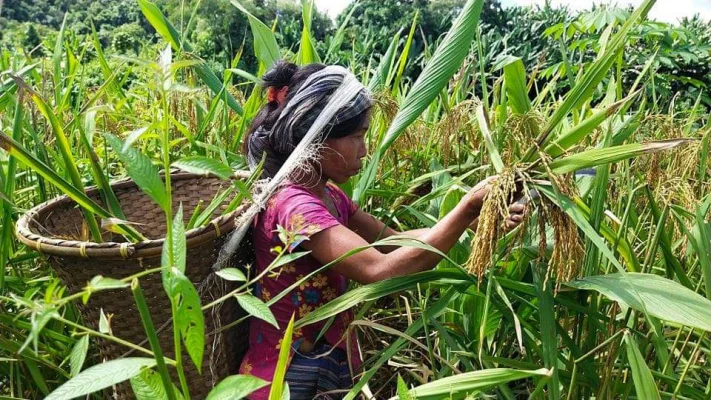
column 111, row 338
column 152, row 338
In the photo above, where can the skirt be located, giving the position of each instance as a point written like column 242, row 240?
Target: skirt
column 321, row 374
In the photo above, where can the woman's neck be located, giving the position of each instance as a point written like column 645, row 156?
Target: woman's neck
column 312, row 181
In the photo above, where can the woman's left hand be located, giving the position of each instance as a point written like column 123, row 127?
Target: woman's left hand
column 516, row 213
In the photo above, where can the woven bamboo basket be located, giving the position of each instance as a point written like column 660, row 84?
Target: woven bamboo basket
column 50, row 228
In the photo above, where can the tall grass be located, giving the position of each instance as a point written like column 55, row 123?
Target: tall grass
column 603, row 292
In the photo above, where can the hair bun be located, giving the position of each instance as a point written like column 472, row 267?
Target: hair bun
column 280, row 74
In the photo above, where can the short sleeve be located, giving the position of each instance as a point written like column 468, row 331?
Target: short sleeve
column 300, row 212
column 344, row 202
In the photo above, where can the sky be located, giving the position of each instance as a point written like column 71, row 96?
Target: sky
column 663, row 10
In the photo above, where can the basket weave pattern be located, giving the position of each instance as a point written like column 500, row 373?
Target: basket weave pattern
column 51, row 228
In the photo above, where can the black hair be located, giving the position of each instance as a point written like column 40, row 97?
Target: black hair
column 284, row 73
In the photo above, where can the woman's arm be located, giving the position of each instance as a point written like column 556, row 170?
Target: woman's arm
column 371, row 265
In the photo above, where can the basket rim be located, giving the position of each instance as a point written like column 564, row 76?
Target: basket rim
column 120, row 250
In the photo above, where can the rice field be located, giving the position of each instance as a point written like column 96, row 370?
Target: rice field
column 603, row 292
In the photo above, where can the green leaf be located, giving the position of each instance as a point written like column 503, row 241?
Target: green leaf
column 161, row 24
column 231, row 274
column 386, row 64
column 458, row 386
column 21, row 154
column 141, row 170
column 660, row 297
column 78, row 355
column 148, row 386
column 278, row 384
column 594, row 74
column 100, row 282
column 70, row 164
column 644, row 384
column 375, row 291
column 403, row 393
column 488, row 140
column 189, row 318
column 100, row 377
column 204, row 165
column 574, row 135
column 516, row 89
column 445, row 61
column 104, row 325
column 307, row 51
column 265, row 44
column 607, row 155
column 179, row 244
column 256, row 308
column 236, row 387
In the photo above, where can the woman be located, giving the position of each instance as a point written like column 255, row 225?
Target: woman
column 329, row 225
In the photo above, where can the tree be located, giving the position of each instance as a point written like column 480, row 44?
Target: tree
column 32, row 40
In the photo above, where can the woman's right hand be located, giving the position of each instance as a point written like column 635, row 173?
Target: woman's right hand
column 475, row 197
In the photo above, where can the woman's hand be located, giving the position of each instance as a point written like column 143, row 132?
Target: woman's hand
column 475, row 199
column 516, row 214
column 476, row 195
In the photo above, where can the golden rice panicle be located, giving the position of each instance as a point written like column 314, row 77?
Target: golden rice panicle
column 456, row 128
column 567, row 248
column 494, row 211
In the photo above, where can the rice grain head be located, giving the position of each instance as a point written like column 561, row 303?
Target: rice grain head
column 493, row 212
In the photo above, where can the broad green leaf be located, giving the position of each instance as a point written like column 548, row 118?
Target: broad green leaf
column 100, row 377
column 660, row 297
column 141, row 170
column 265, row 44
column 78, row 355
column 148, row 386
column 516, row 89
column 231, row 274
column 256, row 308
column 278, row 384
column 458, row 386
column 236, row 387
column 189, row 318
column 607, row 155
column 445, row 61
column 204, row 165
column 644, row 384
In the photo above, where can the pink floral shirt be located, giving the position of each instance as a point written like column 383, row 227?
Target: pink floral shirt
column 298, row 210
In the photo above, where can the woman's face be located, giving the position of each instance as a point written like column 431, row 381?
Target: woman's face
column 342, row 158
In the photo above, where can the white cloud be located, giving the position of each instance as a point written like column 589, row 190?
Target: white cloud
column 663, row 10
column 332, row 7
